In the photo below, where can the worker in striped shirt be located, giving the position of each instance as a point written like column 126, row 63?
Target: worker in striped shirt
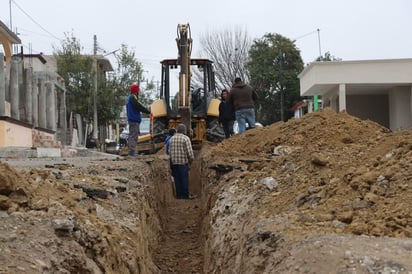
column 181, row 154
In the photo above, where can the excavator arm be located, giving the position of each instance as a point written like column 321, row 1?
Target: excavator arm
column 184, row 45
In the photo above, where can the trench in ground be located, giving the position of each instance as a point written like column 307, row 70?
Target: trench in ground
column 180, row 247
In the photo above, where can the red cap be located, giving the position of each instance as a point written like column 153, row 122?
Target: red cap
column 134, row 88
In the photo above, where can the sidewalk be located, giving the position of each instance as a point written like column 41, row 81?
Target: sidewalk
column 39, row 157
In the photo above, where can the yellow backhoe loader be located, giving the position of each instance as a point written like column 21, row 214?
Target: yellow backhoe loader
column 188, row 97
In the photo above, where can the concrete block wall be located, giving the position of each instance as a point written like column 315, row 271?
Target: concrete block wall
column 44, row 139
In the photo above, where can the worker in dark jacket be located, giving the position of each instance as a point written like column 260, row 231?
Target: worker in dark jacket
column 242, row 97
column 226, row 114
column 134, row 116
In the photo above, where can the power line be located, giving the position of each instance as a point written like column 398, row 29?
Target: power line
column 34, row 21
column 307, row 34
column 310, row 33
column 30, row 48
column 32, row 32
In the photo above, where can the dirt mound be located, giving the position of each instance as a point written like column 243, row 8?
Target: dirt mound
column 326, row 173
column 330, row 166
column 89, row 218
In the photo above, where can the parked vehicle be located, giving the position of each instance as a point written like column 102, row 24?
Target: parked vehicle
column 145, row 126
column 115, row 148
column 144, row 129
column 112, row 147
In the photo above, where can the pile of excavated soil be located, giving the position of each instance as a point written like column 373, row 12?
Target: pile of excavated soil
column 86, row 217
column 327, row 173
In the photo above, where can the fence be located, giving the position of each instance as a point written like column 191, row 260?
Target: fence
column 33, row 99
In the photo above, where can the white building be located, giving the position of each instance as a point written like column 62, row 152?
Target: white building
column 378, row 90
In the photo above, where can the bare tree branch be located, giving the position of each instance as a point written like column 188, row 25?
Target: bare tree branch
column 229, row 50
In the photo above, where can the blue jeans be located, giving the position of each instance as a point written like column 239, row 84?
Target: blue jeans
column 243, row 116
column 181, row 177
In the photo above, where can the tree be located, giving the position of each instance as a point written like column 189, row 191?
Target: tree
column 274, row 65
column 75, row 69
column 328, row 57
column 228, row 50
column 129, row 70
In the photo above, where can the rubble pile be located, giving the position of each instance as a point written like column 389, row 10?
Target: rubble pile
column 63, row 218
column 290, row 184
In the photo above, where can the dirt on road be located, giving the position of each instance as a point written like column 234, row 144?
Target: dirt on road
column 327, row 193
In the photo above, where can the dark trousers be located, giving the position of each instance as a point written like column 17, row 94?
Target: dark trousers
column 134, row 130
column 228, row 128
column 181, row 177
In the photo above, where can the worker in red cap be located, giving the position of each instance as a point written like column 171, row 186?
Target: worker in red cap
column 134, row 109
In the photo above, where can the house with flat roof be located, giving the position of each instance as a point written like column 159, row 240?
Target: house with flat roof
column 8, row 39
column 378, row 90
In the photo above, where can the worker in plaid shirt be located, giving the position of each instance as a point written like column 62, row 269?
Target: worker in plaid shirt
column 182, row 156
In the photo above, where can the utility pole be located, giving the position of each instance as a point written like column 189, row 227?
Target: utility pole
column 320, row 51
column 95, row 129
column 315, row 97
column 282, row 95
column 11, row 25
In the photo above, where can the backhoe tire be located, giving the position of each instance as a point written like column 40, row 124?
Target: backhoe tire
column 159, row 129
column 215, row 132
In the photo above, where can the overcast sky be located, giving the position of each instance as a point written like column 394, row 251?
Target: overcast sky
column 348, row 29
